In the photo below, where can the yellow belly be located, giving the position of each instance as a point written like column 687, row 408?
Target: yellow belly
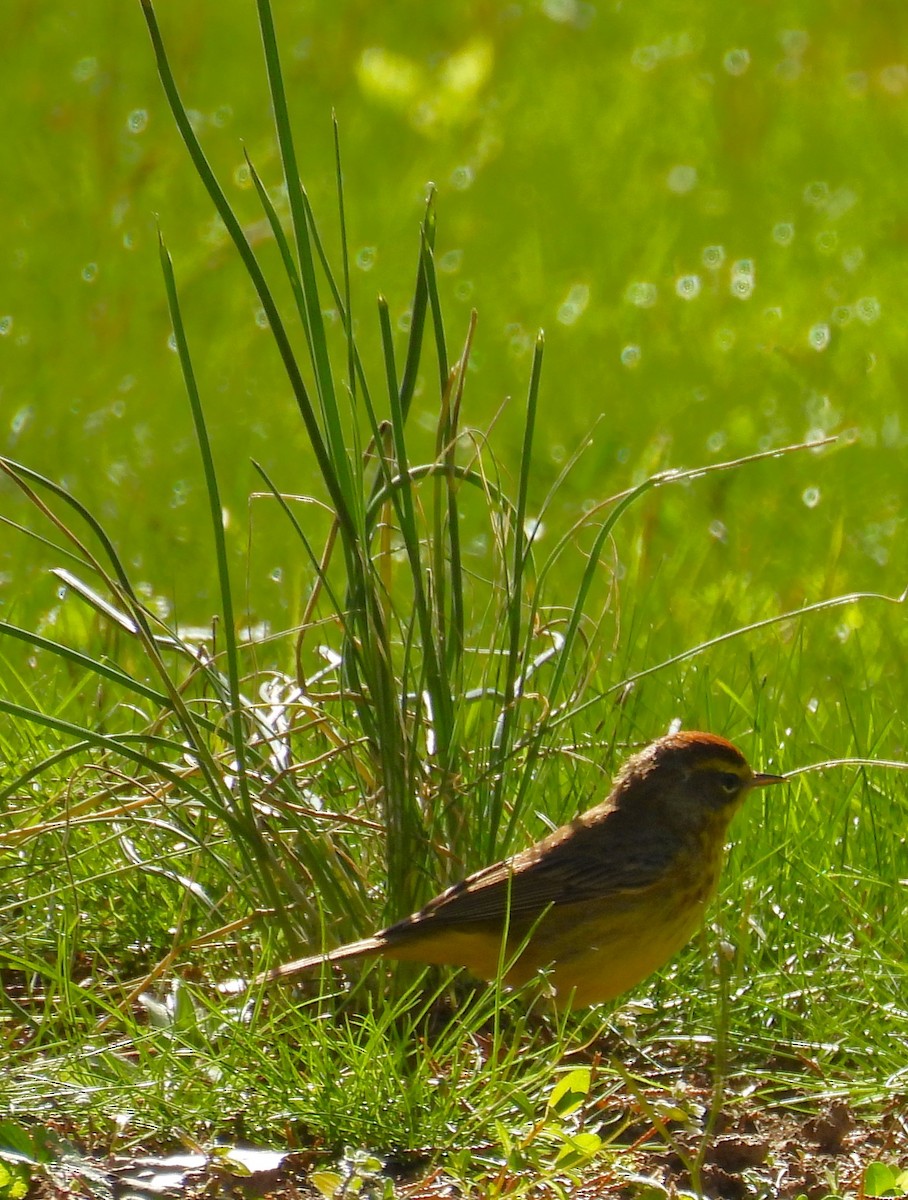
column 588, row 952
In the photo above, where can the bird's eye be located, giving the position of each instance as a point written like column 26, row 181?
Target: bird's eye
column 730, row 783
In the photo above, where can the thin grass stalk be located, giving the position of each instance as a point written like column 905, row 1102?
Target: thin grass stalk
column 366, row 650
column 418, row 309
column 105, row 670
column 447, row 564
column 454, row 646
column 265, row 858
column 119, row 744
column 250, row 262
column 315, row 323
column 319, row 562
column 345, row 264
column 438, row 690
column 216, row 515
column 217, row 797
column 341, row 302
column 522, row 548
column 120, row 586
column 280, row 238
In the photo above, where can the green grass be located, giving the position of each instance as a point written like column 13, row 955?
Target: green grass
column 470, row 637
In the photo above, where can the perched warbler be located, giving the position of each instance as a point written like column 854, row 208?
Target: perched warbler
column 600, row 903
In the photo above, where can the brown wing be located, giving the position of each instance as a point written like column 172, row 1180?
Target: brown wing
column 593, row 858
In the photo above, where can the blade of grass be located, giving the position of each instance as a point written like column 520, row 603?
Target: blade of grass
column 327, row 466
column 522, row 548
column 315, row 324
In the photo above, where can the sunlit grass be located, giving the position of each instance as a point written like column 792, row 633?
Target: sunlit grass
column 473, row 652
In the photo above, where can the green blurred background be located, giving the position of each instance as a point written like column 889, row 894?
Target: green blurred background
column 701, row 203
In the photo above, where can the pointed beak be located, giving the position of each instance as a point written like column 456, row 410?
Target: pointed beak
column 764, row 780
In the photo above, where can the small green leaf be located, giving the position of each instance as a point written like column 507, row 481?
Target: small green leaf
column 504, row 1137
column 17, row 1144
column 327, row 1183
column 570, row 1092
column 883, row 1180
column 644, row 1187
column 578, row 1150
column 14, row 1181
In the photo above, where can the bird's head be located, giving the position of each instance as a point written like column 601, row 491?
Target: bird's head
column 690, row 776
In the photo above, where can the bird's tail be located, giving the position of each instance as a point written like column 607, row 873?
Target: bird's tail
column 361, row 949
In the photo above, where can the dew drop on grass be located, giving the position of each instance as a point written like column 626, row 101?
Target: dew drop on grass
column 868, row 309
column 6, row 325
column 688, row 286
column 853, row 258
column 533, row 529
column 783, row 233
column 816, row 193
column 276, row 574
column 179, row 494
column 21, row 418
column 365, row 257
column 813, row 704
column 841, row 315
column 630, row 355
column 137, row 121
column 736, row 62
column 819, row 335
column 85, row 69
column 718, row 530
column 681, row 179
column 90, row 272
column 826, row 241
column 462, row 178
column 519, row 341
column 451, row 261
column 641, row 294
column 811, row 497
column 463, row 289
column 261, row 318
column 713, row 257
column 742, row 286
column 794, row 41
column 562, row 11
column 574, row 304
column 716, row 441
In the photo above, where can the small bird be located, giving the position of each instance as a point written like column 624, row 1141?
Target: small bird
column 598, row 904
